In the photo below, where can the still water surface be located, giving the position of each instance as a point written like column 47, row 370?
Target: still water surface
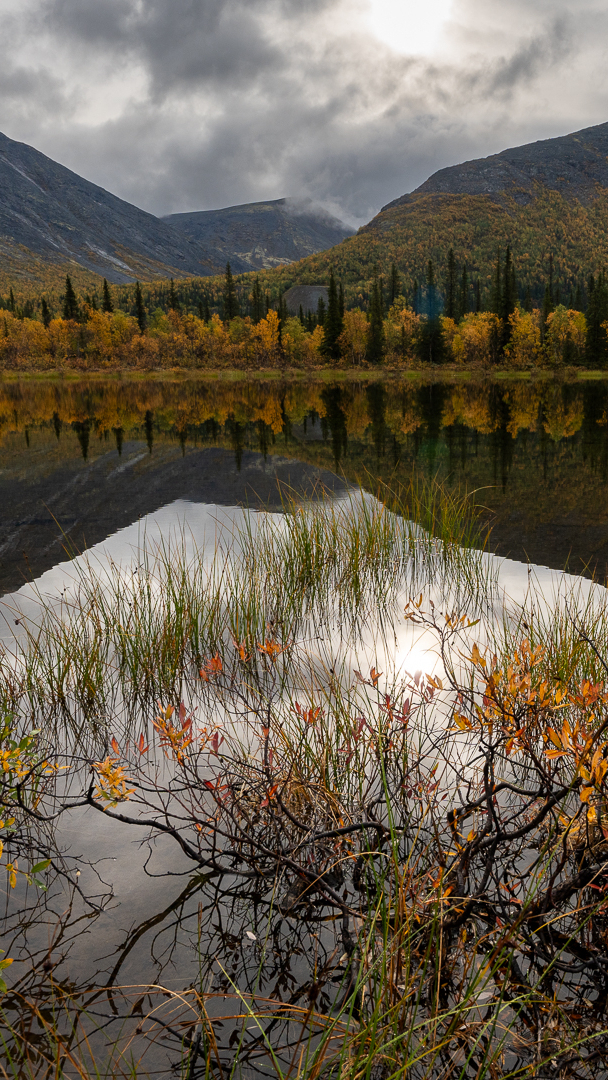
column 78, row 460
column 81, row 461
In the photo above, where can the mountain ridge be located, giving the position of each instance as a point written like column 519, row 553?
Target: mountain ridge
column 575, row 165
column 57, row 215
column 262, row 235
column 51, row 215
column 547, row 200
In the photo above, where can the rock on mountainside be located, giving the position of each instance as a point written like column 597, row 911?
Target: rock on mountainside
column 574, row 165
column 55, row 215
column 262, row 235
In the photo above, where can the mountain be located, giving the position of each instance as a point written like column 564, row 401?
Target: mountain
column 49, row 213
column 545, row 198
column 574, row 165
column 54, row 221
column 262, row 235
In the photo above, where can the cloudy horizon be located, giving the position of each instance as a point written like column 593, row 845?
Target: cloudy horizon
column 199, row 104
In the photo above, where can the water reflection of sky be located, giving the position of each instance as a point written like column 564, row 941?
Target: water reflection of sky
column 534, row 451
column 146, row 931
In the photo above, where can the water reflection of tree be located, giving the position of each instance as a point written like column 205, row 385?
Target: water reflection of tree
column 334, row 421
column 198, row 937
column 501, row 439
column 376, row 398
column 562, row 416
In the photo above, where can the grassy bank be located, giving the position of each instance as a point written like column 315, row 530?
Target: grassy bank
column 444, row 373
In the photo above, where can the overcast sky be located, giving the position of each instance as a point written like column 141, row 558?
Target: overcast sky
column 194, row 104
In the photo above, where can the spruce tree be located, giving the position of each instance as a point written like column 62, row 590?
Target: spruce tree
column 301, row 316
column 509, row 297
column 432, row 302
column 231, row 307
column 450, row 287
column 46, row 314
column 341, row 301
column 509, row 293
column 597, row 315
column 282, row 311
column 578, row 298
column 416, row 297
column 173, row 298
column 375, row 334
column 206, row 312
column 140, row 311
column 11, row 301
column 394, row 285
column 430, row 343
column 496, row 295
column 333, row 325
column 477, row 296
column 257, row 302
column 70, row 303
column 106, row 303
column 321, row 312
column 463, row 297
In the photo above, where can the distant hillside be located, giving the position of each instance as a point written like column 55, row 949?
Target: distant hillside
column 546, row 198
column 574, row 165
column 50, row 214
column 53, row 221
column 264, row 234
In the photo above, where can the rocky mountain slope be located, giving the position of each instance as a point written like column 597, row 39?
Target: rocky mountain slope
column 545, row 198
column 575, row 166
column 263, row 234
column 52, row 218
column 49, row 213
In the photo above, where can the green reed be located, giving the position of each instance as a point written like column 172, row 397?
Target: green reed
column 127, row 636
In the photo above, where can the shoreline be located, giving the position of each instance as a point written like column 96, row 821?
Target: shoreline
column 440, row 373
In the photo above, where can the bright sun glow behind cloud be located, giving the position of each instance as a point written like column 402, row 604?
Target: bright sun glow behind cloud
column 409, row 26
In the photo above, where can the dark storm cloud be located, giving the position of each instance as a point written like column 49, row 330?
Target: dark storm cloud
column 196, row 103
column 32, row 92
column 532, row 57
column 96, row 25
column 182, row 41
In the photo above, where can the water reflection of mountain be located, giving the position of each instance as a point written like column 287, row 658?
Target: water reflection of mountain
column 101, row 453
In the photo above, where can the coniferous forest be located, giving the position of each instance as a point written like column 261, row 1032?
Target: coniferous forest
column 446, row 316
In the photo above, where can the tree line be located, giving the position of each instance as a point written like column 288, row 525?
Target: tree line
column 438, row 320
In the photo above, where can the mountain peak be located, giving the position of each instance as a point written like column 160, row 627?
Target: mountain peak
column 266, row 234
column 49, row 214
column 574, row 165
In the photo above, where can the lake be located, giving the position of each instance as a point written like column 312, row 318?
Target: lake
column 79, row 460
column 108, row 466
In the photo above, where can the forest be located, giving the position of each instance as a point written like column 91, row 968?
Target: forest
column 444, row 318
